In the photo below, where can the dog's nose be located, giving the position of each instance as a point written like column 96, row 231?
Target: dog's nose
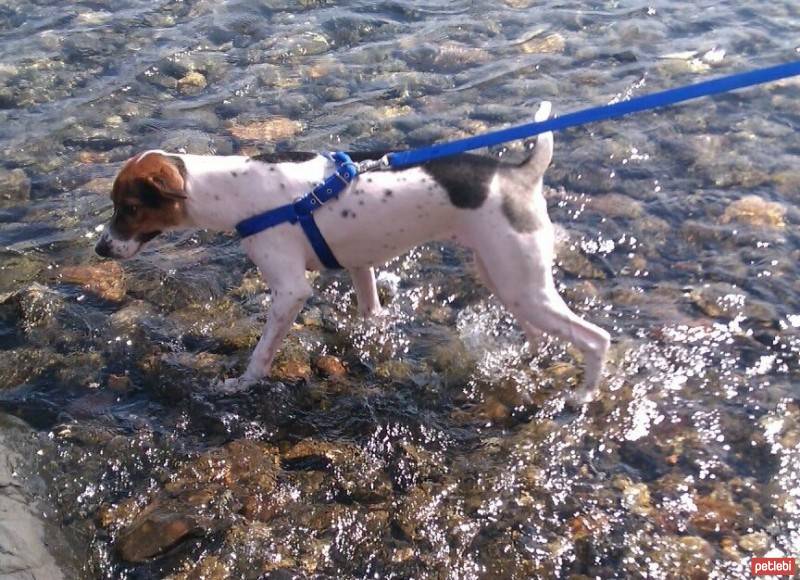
column 103, row 248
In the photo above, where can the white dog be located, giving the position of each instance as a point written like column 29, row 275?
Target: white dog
column 495, row 209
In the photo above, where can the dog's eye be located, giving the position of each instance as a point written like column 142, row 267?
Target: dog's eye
column 130, row 209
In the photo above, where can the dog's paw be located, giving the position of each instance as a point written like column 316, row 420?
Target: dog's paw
column 581, row 396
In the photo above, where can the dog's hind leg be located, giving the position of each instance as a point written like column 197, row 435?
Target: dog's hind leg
column 366, row 291
column 521, row 278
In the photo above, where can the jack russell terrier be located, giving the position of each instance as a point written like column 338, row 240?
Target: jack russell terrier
column 496, row 209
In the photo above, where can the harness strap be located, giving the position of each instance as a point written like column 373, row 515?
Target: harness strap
column 301, row 210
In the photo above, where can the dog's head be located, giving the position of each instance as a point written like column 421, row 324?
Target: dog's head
column 149, row 197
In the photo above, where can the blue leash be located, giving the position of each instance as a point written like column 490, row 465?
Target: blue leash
column 302, row 209
column 635, row 105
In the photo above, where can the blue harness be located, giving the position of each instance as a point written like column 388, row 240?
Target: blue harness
column 301, row 210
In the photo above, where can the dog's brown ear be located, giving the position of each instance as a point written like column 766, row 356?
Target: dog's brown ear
column 167, row 186
column 167, row 175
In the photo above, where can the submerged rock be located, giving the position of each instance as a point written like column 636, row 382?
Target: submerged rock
column 616, row 205
column 158, row 528
column 550, row 44
column 755, row 211
column 192, row 83
column 203, row 497
column 275, row 129
column 15, row 186
column 106, row 280
column 18, row 268
column 757, row 542
column 331, row 366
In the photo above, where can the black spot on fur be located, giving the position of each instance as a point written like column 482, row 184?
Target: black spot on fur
column 360, row 202
column 285, row 157
column 388, row 192
column 234, row 174
column 465, row 178
column 519, row 213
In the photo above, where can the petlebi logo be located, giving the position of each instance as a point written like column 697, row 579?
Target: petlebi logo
column 772, row 566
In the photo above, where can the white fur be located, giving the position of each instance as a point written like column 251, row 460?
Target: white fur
column 366, row 227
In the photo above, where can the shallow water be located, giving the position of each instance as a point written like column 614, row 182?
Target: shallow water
column 444, row 450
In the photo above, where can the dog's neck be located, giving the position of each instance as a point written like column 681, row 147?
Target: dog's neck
column 225, row 189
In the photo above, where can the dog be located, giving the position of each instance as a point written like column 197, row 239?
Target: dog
column 496, row 209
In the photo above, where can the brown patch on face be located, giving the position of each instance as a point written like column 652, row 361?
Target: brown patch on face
column 149, row 197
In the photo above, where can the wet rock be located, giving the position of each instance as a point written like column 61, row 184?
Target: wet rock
column 756, row 542
column 99, row 185
column 155, row 530
column 550, row 44
column 15, row 186
column 275, row 129
column 210, row 567
column 453, row 360
column 202, row 497
column 715, row 515
column 788, row 183
column 119, row 383
column 718, row 300
column 18, row 366
column 755, row 211
column 32, row 307
column 636, row 497
column 192, row 83
column 413, row 512
column 687, row 555
column 293, row 365
column 398, row 370
column 106, row 280
column 616, row 205
column 573, row 261
column 494, row 410
column 18, row 268
column 26, row 537
column 242, row 466
column 356, row 476
column 448, row 57
column 308, row 43
column 120, row 515
column 84, row 434
column 331, row 366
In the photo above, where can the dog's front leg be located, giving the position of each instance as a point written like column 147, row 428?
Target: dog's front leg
column 366, row 291
column 290, row 290
column 288, row 298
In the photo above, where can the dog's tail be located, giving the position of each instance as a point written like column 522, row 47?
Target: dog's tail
column 542, row 154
